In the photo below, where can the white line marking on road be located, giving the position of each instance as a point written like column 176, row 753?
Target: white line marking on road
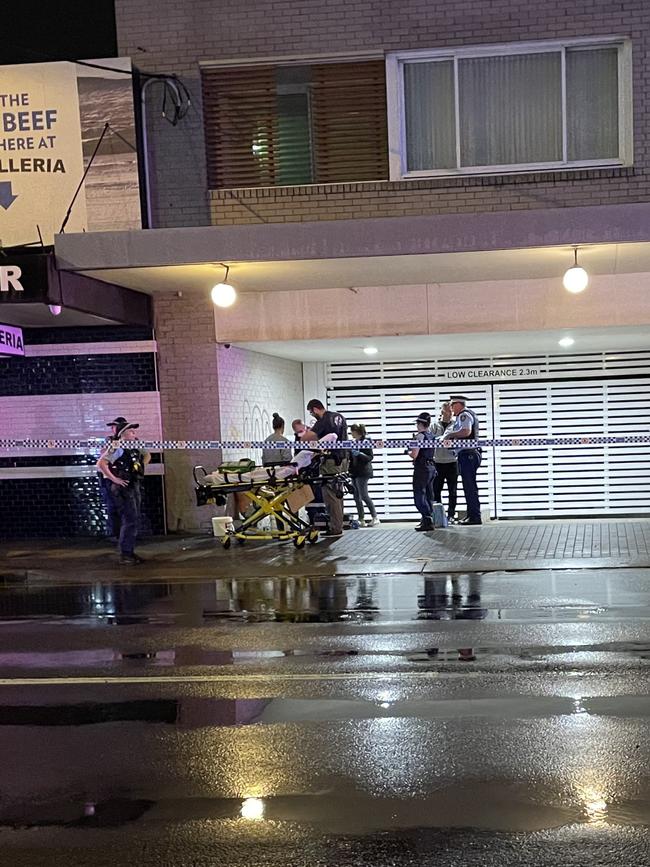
column 221, row 678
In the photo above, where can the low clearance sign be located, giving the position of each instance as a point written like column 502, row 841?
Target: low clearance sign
column 11, row 340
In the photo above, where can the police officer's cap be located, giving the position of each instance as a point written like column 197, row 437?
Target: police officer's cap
column 457, row 397
column 121, row 424
column 424, row 418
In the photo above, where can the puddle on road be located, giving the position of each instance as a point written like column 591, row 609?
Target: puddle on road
column 504, row 806
column 384, row 599
column 110, row 814
column 198, row 712
column 419, row 655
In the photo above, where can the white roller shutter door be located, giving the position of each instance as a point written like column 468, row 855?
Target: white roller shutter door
column 603, row 394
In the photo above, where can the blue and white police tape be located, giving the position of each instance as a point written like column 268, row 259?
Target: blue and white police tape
column 96, row 444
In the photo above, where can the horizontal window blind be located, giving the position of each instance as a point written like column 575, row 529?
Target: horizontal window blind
column 270, row 126
column 349, row 122
column 239, row 109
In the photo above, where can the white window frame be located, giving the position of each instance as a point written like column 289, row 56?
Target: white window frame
column 397, row 116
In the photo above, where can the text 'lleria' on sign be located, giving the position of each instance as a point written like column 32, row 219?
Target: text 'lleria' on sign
column 10, row 278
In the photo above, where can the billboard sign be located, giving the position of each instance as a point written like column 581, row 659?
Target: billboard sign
column 51, row 118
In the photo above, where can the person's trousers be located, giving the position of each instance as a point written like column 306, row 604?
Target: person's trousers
column 127, row 506
column 446, row 472
column 362, row 496
column 423, row 477
column 468, row 463
column 112, row 516
column 334, row 505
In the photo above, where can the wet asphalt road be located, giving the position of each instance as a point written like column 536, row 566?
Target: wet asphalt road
column 498, row 719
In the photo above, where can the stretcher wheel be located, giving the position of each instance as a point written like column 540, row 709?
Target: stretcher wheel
column 313, row 537
column 226, row 542
column 299, row 541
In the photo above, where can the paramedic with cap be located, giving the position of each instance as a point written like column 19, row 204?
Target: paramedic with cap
column 113, row 522
column 466, row 426
column 330, row 423
column 124, row 469
column 424, row 471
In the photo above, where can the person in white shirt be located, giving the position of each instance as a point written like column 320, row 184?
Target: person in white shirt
column 446, row 463
column 466, row 427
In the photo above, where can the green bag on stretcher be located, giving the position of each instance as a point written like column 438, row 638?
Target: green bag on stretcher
column 245, row 465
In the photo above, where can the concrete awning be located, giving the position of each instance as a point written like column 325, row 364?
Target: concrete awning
column 370, row 252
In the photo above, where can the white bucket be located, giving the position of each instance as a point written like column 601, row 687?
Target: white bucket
column 221, row 526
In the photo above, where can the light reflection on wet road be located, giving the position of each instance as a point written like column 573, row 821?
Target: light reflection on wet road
column 501, row 718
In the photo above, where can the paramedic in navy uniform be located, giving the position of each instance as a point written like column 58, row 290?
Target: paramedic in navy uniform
column 326, row 423
column 124, row 468
column 466, row 426
column 424, row 471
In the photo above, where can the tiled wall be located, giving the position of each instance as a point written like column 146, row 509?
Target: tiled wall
column 72, row 416
column 71, row 382
column 77, row 374
column 253, row 386
column 63, row 507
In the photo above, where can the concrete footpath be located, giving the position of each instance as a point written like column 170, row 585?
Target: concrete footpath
column 492, row 547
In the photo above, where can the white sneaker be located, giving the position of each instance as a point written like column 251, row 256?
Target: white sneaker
column 374, row 523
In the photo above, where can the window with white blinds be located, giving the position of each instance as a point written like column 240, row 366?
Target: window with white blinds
column 590, row 394
column 514, row 107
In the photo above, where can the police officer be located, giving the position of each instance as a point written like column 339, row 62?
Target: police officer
column 466, row 426
column 327, row 423
column 113, row 519
column 124, row 469
column 424, row 471
column 446, row 463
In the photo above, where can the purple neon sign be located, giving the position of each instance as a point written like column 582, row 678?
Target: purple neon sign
column 11, row 340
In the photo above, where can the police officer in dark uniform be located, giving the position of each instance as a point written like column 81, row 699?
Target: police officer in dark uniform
column 424, row 471
column 113, row 518
column 123, row 467
column 327, row 423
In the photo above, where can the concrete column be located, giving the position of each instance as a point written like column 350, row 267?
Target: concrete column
column 189, row 399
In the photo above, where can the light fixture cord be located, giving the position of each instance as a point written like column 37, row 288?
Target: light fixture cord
column 575, row 257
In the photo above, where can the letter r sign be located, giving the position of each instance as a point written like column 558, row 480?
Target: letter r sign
column 10, row 278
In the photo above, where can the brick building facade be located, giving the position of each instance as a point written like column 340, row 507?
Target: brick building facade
column 179, row 37
column 457, row 226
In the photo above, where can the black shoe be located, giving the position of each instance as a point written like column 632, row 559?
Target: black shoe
column 472, row 521
column 424, row 526
column 130, row 560
column 331, row 535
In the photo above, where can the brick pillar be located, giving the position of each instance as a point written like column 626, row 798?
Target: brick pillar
column 189, row 399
